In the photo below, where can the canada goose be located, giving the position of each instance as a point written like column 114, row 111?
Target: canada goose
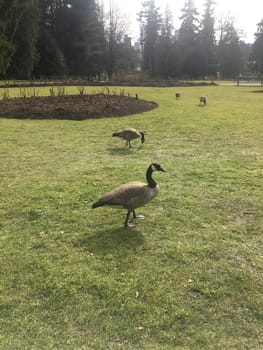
column 129, row 134
column 203, row 100
column 132, row 195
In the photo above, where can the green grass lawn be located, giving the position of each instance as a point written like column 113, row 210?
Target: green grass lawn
column 189, row 276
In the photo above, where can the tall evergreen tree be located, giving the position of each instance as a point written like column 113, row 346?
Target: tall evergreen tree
column 167, row 59
column 73, row 36
column 127, row 57
column 51, row 59
column 229, row 52
column 25, row 40
column 85, row 53
column 207, row 40
column 7, row 48
column 13, row 18
column 150, row 22
column 188, row 40
column 257, row 48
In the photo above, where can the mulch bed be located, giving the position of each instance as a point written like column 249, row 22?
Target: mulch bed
column 75, row 107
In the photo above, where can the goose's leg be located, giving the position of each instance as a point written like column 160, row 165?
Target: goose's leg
column 129, row 144
column 137, row 216
column 128, row 224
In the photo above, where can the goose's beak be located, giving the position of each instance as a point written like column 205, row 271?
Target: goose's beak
column 161, row 169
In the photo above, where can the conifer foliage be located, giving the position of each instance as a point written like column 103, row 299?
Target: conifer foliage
column 80, row 39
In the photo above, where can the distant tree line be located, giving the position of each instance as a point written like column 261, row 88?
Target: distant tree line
column 78, row 38
column 196, row 49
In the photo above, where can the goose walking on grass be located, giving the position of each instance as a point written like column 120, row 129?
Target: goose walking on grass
column 129, row 134
column 202, row 100
column 132, row 195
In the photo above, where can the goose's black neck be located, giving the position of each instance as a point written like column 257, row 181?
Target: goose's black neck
column 142, row 136
column 149, row 178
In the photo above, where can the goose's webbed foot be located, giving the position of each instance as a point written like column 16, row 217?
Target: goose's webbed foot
column 141, row 217
column 131, row 224
column 137, row 216
column 127, row 223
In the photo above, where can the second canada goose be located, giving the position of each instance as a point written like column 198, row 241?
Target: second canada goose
column 132, row 195
column 129, row 134
column 202, row 100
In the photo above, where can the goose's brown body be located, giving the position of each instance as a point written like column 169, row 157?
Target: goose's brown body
column 129, row 134
column 131, row 195
column 128, row 196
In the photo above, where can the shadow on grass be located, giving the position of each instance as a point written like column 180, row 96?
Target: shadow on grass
column 119, row 151
column 111, row 241
column 124, row 151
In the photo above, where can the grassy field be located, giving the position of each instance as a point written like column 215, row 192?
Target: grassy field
column 189, row 276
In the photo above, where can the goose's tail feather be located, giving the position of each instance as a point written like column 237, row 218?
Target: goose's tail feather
column 96, row 205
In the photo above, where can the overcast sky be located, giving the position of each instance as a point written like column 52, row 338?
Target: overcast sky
column 247, row 13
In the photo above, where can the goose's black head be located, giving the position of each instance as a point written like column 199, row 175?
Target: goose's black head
column 156, row 167
column 153, row 167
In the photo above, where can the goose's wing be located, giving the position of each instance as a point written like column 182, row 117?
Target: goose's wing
column 130, row 133
column 125, row 195
column 129, row 196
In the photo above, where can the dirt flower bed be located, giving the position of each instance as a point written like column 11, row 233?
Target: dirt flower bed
column 75, row 107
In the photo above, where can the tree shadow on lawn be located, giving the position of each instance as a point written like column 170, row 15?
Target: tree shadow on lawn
column 115, row 241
